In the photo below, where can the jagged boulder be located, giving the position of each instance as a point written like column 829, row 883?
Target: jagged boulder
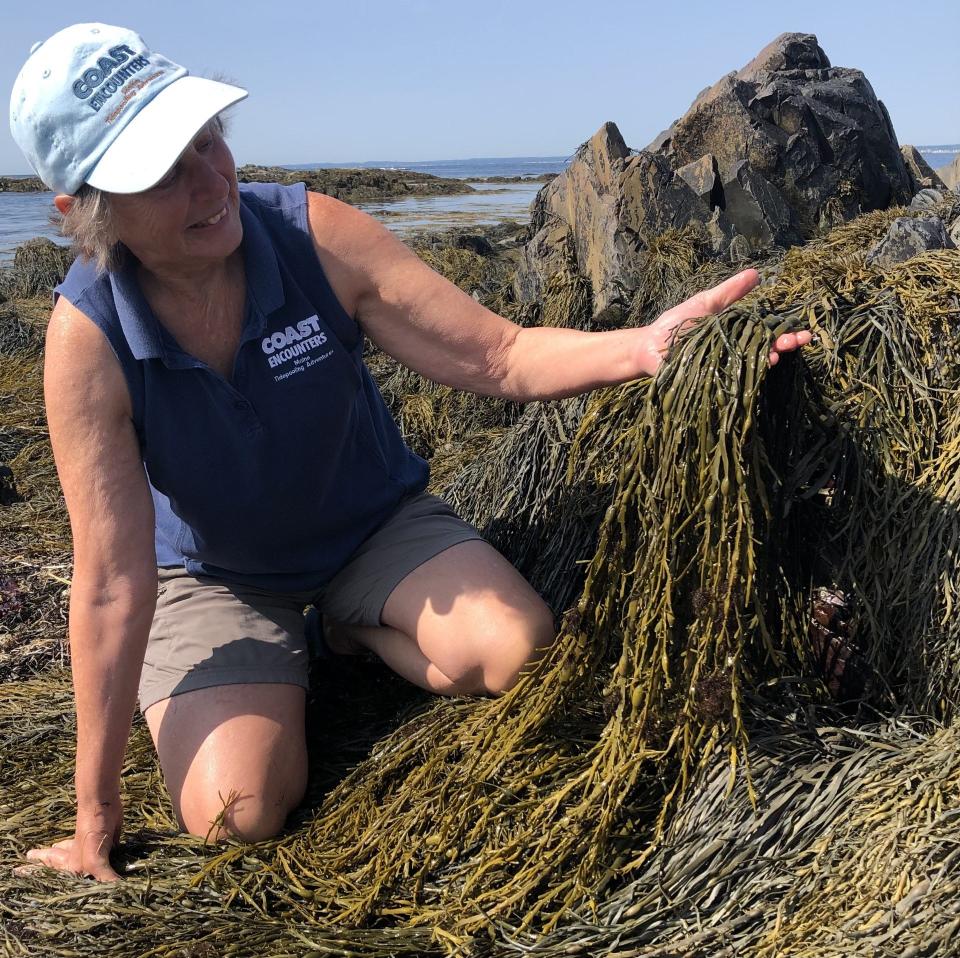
column 703, row 177
column 906, row 237
column 757, row 209
column 816, row 133
column 950, row 174
column 599, row 214
column 922, row 176
column 767, row 156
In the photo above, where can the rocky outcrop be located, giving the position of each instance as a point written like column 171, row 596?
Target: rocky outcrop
column 906, row 237
column 766, row 157
column 816, row 133
column 922, row 176
column 950, row 174
column 598, row 215
column 21, row 184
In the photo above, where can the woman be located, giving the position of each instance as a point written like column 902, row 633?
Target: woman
column 225, row 457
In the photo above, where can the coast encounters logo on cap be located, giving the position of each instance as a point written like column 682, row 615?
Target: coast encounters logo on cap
column 93, row 104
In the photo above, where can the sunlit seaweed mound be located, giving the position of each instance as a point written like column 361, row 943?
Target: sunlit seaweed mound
column 723, row 543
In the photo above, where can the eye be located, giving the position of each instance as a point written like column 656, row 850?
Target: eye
column 205, row 144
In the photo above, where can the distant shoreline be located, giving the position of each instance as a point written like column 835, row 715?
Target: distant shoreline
column 517, row 169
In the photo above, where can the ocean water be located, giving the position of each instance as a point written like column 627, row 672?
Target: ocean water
column 25, row 215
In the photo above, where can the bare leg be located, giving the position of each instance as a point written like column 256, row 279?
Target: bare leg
column 463, row 623
column 239, row 742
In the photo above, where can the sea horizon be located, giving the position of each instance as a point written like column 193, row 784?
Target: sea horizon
column 937, row 154
column 26, row 215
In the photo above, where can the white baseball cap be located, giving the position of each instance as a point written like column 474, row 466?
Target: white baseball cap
column 93, row 104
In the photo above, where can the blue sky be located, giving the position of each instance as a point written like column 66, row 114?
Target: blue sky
column 418, row 80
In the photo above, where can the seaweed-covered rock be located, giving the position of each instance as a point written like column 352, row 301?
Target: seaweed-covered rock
column 817, row 133
column 39, row 264
column 922, row 176
column 21, row 184
column 600, row 213
column 361, row 185
column 906, row 237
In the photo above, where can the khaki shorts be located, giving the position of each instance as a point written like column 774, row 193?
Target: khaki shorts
column 209, row 632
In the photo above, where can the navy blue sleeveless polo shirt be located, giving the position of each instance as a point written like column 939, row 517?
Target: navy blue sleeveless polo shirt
column 273, row 479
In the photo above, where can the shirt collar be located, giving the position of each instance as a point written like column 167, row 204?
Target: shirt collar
column 143, row 332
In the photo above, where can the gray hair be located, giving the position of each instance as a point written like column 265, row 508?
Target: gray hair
column 89, row 223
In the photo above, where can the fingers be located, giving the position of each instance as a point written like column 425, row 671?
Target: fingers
column 729, row 291
column 711, row 301
column 788, row 342
column 66, row 856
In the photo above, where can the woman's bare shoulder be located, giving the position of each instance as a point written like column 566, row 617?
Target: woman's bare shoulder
column 79, row 364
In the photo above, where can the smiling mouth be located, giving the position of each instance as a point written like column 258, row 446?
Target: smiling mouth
column 210, row 222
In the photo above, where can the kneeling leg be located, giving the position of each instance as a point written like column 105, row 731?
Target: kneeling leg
column 232, row 754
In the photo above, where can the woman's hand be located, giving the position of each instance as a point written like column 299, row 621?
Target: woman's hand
column 663, row 331
column 88, row 852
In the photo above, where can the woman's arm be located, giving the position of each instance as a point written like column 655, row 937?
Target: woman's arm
column 436, row 329
column 113, row 592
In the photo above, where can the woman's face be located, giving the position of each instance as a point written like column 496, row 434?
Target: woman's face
column 168, row 226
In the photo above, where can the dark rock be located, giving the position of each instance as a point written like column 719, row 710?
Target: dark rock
column 474, row 242
column 757, row 209
column 598, row 215
column 703, row 177
column 788, row 52
column 908, row 236
column 817, row 133
column 8, row 487
column 921, row 175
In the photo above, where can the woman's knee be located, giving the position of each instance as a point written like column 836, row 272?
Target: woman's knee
column 234, row 757
column 524, row 639
column 250, row 814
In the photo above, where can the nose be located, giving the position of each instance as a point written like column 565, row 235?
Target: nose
column 206, row 173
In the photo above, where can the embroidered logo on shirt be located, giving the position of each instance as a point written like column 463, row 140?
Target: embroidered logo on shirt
column 297, row 344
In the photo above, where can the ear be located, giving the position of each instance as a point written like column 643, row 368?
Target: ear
column 63, row 202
